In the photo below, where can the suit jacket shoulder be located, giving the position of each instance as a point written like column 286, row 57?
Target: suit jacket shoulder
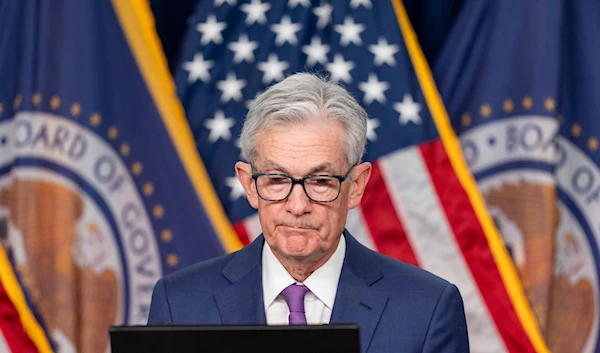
column 396, row 272
column 204, row 292
column 424, row 312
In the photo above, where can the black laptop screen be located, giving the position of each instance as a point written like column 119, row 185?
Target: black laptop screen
column 235, row 339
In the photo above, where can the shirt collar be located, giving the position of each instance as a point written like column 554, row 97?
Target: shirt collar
column 322, row 283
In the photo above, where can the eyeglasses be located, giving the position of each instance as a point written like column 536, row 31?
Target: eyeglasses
column 318, row 187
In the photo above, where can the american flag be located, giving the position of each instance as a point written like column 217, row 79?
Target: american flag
column 418, row 207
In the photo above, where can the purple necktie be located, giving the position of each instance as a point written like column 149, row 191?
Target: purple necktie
column 294, row 297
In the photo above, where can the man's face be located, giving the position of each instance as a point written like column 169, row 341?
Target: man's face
column 298, row 227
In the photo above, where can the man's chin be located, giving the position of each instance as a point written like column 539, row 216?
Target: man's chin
column 299, row 248
column 297, row 243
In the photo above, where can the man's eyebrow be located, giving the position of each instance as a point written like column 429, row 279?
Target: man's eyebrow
column 272, row 165
column 319, row 168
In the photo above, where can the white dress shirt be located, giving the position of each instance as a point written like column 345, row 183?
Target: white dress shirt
column 323, row 283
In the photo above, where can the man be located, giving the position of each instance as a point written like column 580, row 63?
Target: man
column 304, row 139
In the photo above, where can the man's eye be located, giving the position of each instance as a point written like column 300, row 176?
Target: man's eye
column 322, row 181
column 277, row 180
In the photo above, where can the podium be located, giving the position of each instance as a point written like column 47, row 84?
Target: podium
column 235, row 339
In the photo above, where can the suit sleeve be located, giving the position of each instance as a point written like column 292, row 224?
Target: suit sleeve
column 160, row 311
column 447, row 331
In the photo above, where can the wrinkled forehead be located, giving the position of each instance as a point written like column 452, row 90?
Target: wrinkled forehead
column 301, row 148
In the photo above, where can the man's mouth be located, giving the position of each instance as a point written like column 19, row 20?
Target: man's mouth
column 294, row 227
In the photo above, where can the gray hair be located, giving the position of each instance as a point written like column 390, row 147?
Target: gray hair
column 297, row 99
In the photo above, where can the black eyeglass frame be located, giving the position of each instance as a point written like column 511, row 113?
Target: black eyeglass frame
column 300, row 181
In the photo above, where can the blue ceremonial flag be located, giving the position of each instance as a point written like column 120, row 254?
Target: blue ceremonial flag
column 102, row 191
column 520, row 80
column 421, row 205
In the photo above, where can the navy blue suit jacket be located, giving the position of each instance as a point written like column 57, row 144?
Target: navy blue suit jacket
column 398, row 307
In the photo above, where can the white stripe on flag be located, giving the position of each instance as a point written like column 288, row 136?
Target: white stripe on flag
column 356, row 225
column 253, row 228
column 3, row 345
column 433, row 242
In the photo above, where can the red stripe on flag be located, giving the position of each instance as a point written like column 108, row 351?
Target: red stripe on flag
column 11, row 327
column 474, row 246
column 240, row 229
column 383, row 221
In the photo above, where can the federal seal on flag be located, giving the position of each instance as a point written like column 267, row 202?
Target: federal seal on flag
column 76, row 227
column 542, row 193
column 102, row 191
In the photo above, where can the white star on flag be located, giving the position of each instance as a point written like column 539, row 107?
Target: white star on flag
column 231, row 88
column 323, row 12
column 409, row 110
column 384, row 52
column 198, row 68
column 286, row 31
column 237, row 190
column 372, row 124
column 373, row 89
column 272, row 69
column 219, row 127
column 350, row 31
column 340, row 69
column 255, row 12
column 243, row 49
column 356, row 3
column 211, row 30
column 316, row 52
column 293, row 3
column 218, row 3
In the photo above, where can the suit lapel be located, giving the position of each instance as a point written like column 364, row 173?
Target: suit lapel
column 242, row 301
column 356, row 301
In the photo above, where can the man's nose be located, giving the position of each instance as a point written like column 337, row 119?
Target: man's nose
column 298, row 202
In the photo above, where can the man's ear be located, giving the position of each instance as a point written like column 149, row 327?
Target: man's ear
column 362, row 173
column 243, row 171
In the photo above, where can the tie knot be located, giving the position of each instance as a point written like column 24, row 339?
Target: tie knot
column 294, row 297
